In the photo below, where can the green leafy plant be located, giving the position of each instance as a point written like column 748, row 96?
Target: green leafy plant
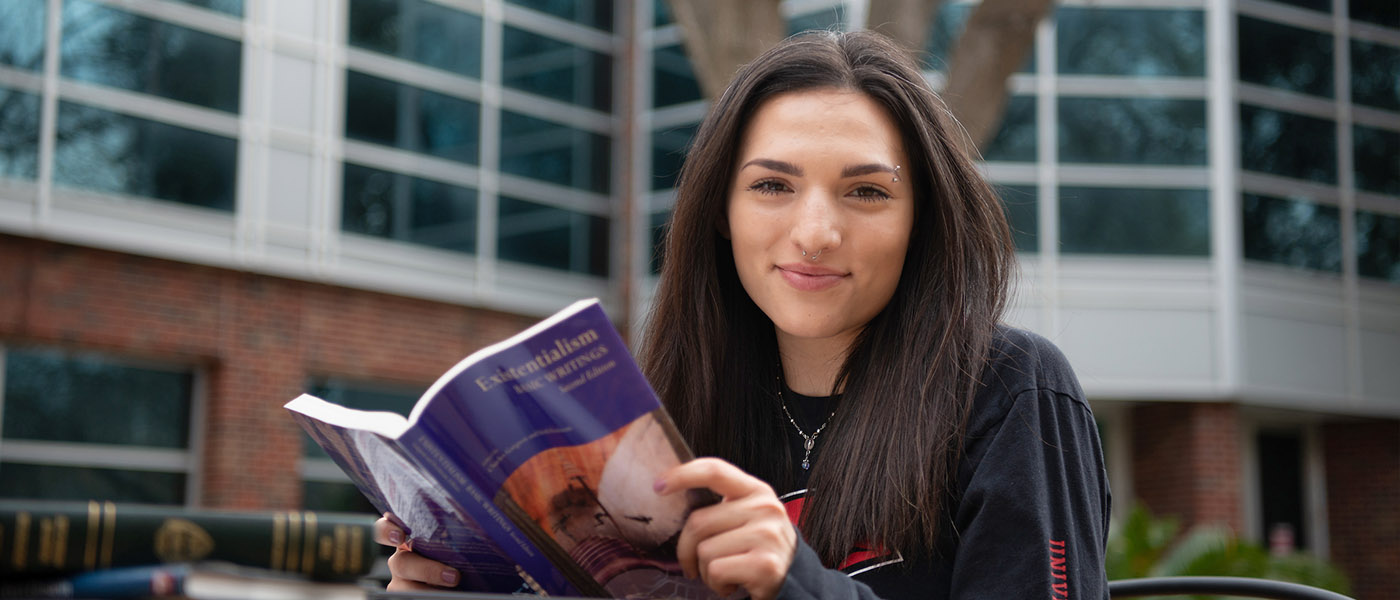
column 1142, row 545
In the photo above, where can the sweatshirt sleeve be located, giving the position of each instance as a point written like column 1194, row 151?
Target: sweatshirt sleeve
column 1033, row 518
column 808, row 579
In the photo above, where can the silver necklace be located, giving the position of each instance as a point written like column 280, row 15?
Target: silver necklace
column 808, row 441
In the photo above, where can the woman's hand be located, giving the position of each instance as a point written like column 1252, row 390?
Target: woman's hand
column 744, row 541
column 411, row 572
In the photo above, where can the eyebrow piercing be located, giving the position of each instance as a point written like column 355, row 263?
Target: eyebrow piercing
column 896, row 175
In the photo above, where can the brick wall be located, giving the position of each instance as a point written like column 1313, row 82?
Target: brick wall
column 1362, row 461
column 258, row 339
column 1186, row 462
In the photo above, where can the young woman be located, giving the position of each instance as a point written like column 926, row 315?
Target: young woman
column 826, row 329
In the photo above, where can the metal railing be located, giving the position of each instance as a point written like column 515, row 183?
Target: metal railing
column 1218, row 586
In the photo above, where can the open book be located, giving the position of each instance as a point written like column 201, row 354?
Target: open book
column 529, row 464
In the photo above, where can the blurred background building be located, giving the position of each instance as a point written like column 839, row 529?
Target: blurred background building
column 209, row 206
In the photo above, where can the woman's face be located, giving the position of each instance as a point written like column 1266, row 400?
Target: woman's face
column 819, row 172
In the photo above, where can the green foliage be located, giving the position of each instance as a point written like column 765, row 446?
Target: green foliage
column 1142, row 545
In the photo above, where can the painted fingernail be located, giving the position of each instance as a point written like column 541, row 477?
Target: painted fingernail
column 659, row 486
column 395, row 537
column 449, row 576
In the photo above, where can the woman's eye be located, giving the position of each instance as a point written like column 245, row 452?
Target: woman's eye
column 768, row 187
column 867, row 192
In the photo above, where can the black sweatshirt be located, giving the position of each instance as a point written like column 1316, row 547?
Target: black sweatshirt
column 1029, row 515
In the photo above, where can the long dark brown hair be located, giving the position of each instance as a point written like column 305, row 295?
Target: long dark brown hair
column 889, row 456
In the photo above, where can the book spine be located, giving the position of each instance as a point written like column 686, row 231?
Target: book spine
column 38, row 539
column 431, row 458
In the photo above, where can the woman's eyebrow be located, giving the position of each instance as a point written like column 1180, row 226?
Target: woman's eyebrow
column 865, row 169
column 780, row 166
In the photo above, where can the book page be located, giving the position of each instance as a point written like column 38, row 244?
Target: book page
column 438, row 525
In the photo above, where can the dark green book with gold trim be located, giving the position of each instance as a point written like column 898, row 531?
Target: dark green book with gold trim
column 50, row 538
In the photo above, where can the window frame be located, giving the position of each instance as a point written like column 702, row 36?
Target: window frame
column 120, row 456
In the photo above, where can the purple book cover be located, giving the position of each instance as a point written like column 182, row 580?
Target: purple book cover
column 550, row 441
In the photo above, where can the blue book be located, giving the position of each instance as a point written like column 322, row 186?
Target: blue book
column 203, row 581
column 529, row 464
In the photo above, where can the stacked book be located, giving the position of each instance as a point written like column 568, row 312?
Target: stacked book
column 108, row 550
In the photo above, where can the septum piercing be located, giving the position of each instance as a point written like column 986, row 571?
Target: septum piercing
column 814, row 256
column 896, row 175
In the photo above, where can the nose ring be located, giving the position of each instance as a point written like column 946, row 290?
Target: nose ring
column 814, row 256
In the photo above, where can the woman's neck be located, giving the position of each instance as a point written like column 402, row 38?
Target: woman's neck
column 810, row 366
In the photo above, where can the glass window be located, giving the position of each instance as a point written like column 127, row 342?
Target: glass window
column 232, row 7
column 58, row 396
column 1101, row 220
column 673, row 81
column 661, row 10
column 22, row 34
column 556, row 153
column 400, row 115
column 1376, row 153
column 54, row 482
column 554, row 69
column 1281, row 506
column 827, row 19
column 552, row 237
column 410, row 209
column 1130, row 42
column 1378, row 245
column 1317, row 5
column 78, row 399
column 111, row 47
column 1022, row 214
column 19, row 134
column 1375, row 75
column 1286, row 144
column 948, row 25
column 1292, row 232
column 108, row 152
column 1285, row 57
column 593, row 13
column 419, row 31
column 668, row 148
column 1380, row 12
column 1132, row 131
column 1016, row 138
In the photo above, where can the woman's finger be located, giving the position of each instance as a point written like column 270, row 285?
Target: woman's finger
column 403, row 585
column 769, row 543
column 407, row 566
column 761, row 576
column 387, row 533
column 719, row 476
column 718, row 519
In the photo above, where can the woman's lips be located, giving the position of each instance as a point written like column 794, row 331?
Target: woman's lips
column 810, row 278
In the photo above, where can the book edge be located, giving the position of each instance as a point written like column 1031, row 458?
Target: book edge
column 476, row 357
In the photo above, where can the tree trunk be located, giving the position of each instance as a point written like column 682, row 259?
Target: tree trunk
column 722, row 35
column 906, row 21
column 992, row 46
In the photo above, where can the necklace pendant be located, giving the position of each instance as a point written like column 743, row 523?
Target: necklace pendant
column 806, row 464
column 809, row 442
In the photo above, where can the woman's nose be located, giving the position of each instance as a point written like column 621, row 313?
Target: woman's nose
column 816, row 223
